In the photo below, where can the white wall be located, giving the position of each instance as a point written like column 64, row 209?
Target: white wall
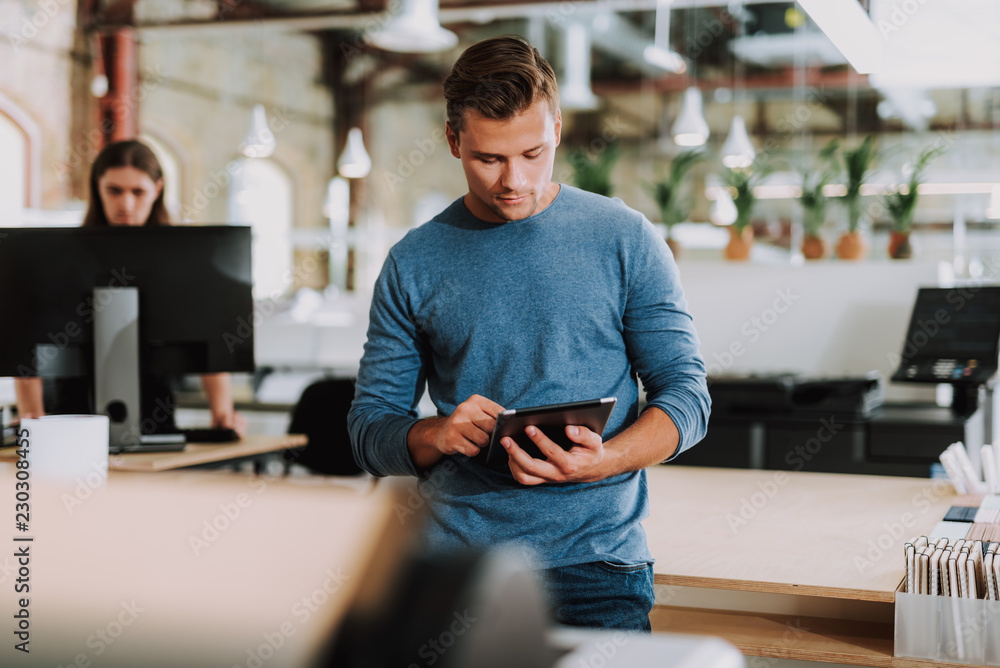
column 825, row 319
column 821, row 319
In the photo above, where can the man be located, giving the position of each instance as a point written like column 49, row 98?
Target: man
column 525, row 292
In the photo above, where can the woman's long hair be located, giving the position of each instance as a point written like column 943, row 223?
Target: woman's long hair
column 129, row 153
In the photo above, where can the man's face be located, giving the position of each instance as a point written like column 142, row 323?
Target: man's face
column 508, row 163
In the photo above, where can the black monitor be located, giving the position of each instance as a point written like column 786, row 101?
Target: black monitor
column 115, row 304
column 953, row 337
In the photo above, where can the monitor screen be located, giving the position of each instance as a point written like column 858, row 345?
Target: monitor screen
column 953, row 336
column 119, row 309
column 194, row 285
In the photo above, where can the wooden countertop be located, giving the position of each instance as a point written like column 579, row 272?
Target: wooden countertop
column 193, row 568
column 819, row 534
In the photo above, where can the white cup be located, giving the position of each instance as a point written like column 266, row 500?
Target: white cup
column 68, row 448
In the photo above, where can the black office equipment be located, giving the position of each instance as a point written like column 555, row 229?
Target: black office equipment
column 840, row 425
column 791, row 394
column 105, row 303
column 953, row 337
column 210, row 435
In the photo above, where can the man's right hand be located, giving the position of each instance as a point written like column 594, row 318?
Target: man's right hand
column 464, row 432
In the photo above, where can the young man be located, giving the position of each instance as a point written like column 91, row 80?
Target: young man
column 526, row 292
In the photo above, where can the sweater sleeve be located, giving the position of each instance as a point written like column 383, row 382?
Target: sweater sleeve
column 661, row 339
column 390, row 382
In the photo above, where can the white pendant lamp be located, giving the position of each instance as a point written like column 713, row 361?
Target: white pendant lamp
column 738, row 151
column 259, row 142
column 354, row 162
column 415, row 29
column 575, row 92
column 723, row 210
column 658, row 53
column 690, row 128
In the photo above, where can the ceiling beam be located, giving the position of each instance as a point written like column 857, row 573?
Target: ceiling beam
column 449, row 13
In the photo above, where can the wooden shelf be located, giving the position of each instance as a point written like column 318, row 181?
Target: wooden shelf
column 775, row 588
column 793, row 637
column 784, row 636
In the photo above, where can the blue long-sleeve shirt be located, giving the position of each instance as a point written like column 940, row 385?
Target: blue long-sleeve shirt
column 568, row 304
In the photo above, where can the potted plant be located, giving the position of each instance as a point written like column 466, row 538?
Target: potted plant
column 594, row 173
column 858, row 163
column 741, row 182
column 667, row 193
column 814, row 201
column 901, row 204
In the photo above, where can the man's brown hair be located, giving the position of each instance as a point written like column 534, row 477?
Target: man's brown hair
column 499, row 77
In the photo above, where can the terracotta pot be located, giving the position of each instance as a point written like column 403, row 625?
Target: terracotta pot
column 739, row 244
column 675, row 247
column 813, row 248
column 899, row 246
column 852, row 246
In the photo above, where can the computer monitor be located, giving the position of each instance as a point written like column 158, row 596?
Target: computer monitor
column 113, row 304
column 953, row 337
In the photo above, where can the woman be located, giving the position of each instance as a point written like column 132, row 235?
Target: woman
column 126, row 188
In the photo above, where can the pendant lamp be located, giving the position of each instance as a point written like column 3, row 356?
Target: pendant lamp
column 738, row 151
column 575, row 92
column 415, row 29
column 690, row 128
column 259, row 142
column 354, row 162
column 658, row 53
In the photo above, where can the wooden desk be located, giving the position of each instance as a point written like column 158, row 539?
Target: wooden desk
column 192, row 568
column 784, row 564
column 193, row 454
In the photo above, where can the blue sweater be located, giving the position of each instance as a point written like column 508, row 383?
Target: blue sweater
column 569, row 304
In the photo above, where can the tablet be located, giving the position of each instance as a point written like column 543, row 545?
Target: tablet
column 552, row 420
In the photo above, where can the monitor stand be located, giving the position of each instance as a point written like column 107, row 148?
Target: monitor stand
column 116, row 372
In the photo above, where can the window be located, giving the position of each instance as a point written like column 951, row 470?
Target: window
column 260, row 195
column 13, row 171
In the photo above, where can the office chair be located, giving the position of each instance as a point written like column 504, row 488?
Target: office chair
column 321, row 414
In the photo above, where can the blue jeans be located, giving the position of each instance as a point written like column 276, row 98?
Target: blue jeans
column 601, row 594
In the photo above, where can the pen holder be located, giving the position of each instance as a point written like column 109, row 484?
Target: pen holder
column 945, row 628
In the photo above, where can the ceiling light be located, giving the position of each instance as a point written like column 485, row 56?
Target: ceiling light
column 723, row 210
column 658, row 53
column 99, row 83
column 259, row 142
column 354, row 162
column 737, row 151
column 575, row 92
column 690, row 128
column 851, row 31
column 415, row 29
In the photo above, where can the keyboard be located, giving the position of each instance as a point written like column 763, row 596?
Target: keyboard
column 210, row 435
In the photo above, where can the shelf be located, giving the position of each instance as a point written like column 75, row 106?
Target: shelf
column 793, row 637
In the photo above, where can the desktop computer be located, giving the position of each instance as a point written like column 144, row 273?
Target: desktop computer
column 112, row 309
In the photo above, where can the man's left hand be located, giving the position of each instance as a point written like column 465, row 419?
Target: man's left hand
column 581, row 463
